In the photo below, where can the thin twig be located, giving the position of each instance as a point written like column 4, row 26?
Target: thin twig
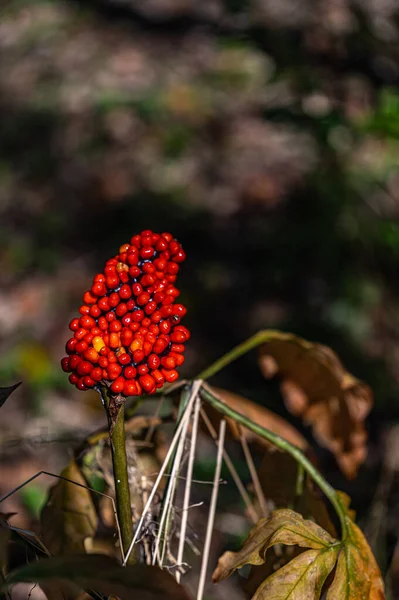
column 187, row 490
column 252, row 513
column 254, row 475
column 168, row 503
column 212, row 511
column 195, row 388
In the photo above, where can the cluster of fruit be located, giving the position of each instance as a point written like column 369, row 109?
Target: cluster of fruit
column 128, row 334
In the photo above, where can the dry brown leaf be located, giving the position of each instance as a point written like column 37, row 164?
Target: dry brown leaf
column 69, row 516
column 317, row 388
column 283, row 527
column 278, row 477
column 256, row 413
column 301, row 579
column 102, row 574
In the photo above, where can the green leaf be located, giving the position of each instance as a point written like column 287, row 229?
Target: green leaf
column 104, row 575
column 5, row 392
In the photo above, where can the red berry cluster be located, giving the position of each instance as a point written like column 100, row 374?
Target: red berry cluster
column 128, row 335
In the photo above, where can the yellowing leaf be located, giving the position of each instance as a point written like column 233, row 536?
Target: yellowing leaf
column 259, row 414
column 317, row 388
column 301, row 579
column 357, row 576
column 283, row 527
column 69, row 516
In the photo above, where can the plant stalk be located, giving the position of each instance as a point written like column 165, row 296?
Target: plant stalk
column 208, row 396
column 115, row 408
column 259, row 338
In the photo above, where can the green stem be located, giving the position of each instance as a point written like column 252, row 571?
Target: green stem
column 208, row 396
column 265, row 335
column 115, row 407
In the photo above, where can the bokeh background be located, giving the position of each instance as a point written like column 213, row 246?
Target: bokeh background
column 264, row 134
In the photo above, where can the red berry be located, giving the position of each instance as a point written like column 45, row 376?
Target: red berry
column 98, row 289
column 158, row 377
column 179, row 310
column 147, row 252
column 95, row 311
column 70, row 345
column 126, row 337
column 121, row 309
column 130, row 388
column 114, row 340
column 114, row 370
column 168, row 362
column 180, row 256
column 124, row 358
column 133, row 258
column 170, row 376
column 115, row 326
column 74, row 325
column 138, row 315
column 138, row 356
column 130, row 372
column 89, row 298
column 143, row 298
column 147, row 383
column 153, row 361
column 160, row 345
column 84, row 367
column 149, row 268
column 134, row 271
column 161, row 244
column 65, row 365
column 112, row 281
column 103, row 304
column 137, row 289
column 87, row 322
column 125, row 292
column 91, row 355
column 118, row 385
column 96, row 374
column 81, row 346
column 114, row 299
column 179, row 358
column 88, row 381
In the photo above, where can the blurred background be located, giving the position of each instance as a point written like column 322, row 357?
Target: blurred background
column 264, row 134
